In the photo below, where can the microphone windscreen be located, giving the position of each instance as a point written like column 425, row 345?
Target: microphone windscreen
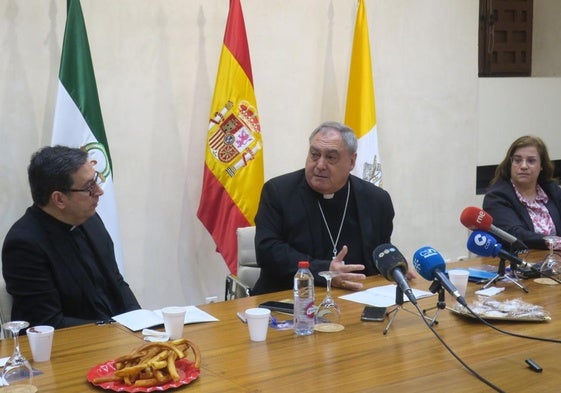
column 427, row 261
column 387, row 257
column 483, row 244
column 475, row 218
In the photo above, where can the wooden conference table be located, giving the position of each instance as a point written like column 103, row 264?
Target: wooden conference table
column 409, row 358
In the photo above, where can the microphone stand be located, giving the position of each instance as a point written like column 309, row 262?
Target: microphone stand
column 501, row 274
column 398, row 306
column 435, row 287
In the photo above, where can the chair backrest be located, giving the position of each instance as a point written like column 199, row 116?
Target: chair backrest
column 5, row 306
column 248, row 270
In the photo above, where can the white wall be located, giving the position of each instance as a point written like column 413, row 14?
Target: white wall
column 546, row 38
column 156, row 62
column 511, row 107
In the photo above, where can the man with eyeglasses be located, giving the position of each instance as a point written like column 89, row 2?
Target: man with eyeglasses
column 524, row 199
column 58, row 260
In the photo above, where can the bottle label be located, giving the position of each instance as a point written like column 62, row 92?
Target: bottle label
column 310, row 310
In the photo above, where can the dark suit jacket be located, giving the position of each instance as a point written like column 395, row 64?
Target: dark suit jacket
column 50, row 287
column 287, row 232
column 512, row 216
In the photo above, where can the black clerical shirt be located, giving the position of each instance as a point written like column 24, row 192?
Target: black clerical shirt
column 86, row 256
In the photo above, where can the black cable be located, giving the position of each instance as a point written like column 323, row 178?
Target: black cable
column 472, row 371
column 536, row 267
column 546, row 274
column 553, row 340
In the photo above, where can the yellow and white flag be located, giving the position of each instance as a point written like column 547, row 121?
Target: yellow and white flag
column 360, row 112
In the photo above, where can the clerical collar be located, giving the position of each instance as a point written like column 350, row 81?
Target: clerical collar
column 63, row 225
column 340, row 194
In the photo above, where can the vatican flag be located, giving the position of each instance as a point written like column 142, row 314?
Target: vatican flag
column 360, row 113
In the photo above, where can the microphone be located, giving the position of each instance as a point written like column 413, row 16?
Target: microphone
column 392, row 265
column 430, row 264
column 475, row 218
column 485, row 245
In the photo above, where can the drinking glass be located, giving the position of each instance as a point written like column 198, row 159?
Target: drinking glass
column 17, row 369
column 328, row 311
column 551, row 264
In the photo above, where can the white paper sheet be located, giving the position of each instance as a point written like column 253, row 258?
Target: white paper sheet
column 139, row 319
column 383, row 296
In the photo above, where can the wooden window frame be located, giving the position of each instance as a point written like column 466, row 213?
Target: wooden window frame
column 505, row 37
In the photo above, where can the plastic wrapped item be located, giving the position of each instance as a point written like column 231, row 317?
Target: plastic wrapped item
column 508, row 310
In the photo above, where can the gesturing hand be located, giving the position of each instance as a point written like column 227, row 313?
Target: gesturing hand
column 346, row 278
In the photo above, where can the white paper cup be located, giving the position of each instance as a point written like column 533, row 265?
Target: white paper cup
column 41, row 342
column 258, row 323
column 174, row 319
column 459, row 277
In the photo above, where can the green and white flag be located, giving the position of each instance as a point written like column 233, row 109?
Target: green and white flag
column 78, row 121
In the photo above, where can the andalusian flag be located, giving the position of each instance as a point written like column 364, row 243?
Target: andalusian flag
column 233, row 171
column 78, row 121
column 360, row 113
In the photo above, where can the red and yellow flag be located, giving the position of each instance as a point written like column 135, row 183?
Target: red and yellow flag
column 233, row 171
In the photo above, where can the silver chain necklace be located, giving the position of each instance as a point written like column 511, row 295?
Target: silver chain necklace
column 334, row 242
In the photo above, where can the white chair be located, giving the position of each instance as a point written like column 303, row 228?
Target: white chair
column 248, row 271
column 5, row 306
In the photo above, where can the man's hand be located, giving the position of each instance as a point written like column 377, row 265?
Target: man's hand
column 346, row 279
column 411, row 274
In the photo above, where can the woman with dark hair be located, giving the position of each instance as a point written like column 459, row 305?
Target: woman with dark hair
column 524, row 199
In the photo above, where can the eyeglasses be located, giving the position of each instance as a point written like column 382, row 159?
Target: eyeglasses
column 98, row 180
column 530, row 161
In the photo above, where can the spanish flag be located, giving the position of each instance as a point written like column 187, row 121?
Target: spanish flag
column 360, row 113
column 233, row 171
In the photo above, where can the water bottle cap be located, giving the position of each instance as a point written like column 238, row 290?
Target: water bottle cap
column 303, row 264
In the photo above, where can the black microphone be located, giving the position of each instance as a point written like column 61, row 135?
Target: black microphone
column 430, row 264
column 392, row 265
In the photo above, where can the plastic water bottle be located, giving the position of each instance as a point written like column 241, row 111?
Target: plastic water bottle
column 304, row 309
